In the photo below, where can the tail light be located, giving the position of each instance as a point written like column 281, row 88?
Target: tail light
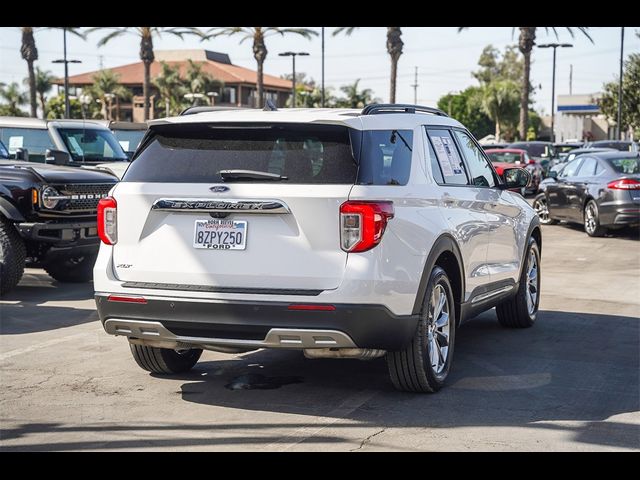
column 362, row 224
column 107, row 220
column 624, row 184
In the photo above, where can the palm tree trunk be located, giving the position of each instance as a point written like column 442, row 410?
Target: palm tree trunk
column 394, row 48
column 32, row 90
column 498, row 139
column 526, row 41
column 166, row 107
column 145, row 88
column 43, row 104
column 260, row 85
column 524, row 98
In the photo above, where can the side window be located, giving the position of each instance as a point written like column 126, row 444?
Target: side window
column 481, row 172
column 571, row 168
column 34, row 140
column 447, row 157
column 599, row 169
column 588, row 167
column 435, row 166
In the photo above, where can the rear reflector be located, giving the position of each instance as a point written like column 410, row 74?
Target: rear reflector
column 312, row 307
column 624, row 184
column 126, row 299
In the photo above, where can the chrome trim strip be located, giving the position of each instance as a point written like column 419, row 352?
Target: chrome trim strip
column 275, row 338
column 493, row 293
column 214, row 289
column 207, row 205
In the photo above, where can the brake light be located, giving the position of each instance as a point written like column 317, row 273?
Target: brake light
column 107, row 220
column 624, row 184
column 362, row 224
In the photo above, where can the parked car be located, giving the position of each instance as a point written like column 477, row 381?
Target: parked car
column 48, row 217
column 63, row 142
column 620, row 145
column 558, row 163
column 494, row 146
column 599, row 190
column 129, row 134
column 343, row 233
column 510, row 158
column 544, row 152
column 563, row 149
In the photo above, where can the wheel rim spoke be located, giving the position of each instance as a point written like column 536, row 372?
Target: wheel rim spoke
column 438, row 329
column 531, row 295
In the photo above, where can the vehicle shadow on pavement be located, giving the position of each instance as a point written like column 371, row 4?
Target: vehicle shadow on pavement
column 501, row 377
column 625, row 233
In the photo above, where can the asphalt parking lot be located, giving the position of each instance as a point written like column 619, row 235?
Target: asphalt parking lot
column 569, row 383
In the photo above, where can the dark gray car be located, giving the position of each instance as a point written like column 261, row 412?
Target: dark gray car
column 599, row 190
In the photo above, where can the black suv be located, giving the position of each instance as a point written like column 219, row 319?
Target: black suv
column 48, row 217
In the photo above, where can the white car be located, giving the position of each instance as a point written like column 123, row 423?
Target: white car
column 343, row 233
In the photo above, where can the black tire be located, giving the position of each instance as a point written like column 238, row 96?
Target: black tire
column 515, row 312
column 411, row 369
column 591, row 219
column 71, row 269
column 542, row 210
column 164, row 361
column 12, row 256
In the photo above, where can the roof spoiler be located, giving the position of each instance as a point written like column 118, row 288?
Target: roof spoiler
column 206, row 108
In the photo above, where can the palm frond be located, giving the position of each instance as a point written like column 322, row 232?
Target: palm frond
column 346, row 30
column 107, row 38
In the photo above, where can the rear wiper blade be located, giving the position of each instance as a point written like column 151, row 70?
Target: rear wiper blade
column 250, row 174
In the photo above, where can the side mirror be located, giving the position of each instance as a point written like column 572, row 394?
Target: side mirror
column 57, row 157
column 22, row 154
column 516, row 178
column 553, row 174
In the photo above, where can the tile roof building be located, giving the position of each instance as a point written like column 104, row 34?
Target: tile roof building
column 239, row 82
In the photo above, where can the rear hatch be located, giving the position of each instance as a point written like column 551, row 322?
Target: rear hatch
column 182, row 225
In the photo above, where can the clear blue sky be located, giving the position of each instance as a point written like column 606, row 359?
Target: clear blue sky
column 444, row 57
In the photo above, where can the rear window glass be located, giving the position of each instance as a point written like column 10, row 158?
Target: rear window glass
column 535, row 149
column 385, row 157
column 195, row 153
column 625, row 165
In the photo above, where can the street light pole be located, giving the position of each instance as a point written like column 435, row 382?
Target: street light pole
column 322, row 100
column 293, row 55
column 620, row 85
column 553, row 83
column 67, row 108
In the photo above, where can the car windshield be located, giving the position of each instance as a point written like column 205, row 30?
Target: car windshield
column 129, row 139
column 92, row 145
column 4, row 153
column 564, row 148
column 534, row 149
column 626, row 165
column 622, row 146
column 506, row 157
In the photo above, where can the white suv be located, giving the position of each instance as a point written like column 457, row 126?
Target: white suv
column 343, row 233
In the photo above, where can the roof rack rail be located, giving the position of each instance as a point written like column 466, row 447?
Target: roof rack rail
column 207, row 108
column 377, row 108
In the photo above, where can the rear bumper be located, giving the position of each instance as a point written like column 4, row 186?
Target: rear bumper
column 615, row 213
column 256, row 324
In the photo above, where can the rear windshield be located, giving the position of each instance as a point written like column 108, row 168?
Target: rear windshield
column 622, row 146
column 534, row 149
column 505, row 157
column 625, row 165
column 304, row 153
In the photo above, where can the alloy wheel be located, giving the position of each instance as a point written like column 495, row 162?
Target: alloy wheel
column 439, row 329
column 533, row 283
column 542, row 210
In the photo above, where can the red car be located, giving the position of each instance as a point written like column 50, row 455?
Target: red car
column 509, row 157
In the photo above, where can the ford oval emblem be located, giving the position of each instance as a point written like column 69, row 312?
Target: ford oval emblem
column 219, row 189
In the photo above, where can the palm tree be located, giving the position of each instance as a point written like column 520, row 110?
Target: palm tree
column 13, row 97
column 500, row 103
column 146, row 35
column 198, row 81
column 170, row 88
column 394, row 49
column 355, row 98
column 44, row 83
column 105, row 88
column 258, row 36
column 526, row 41
column 29, row 53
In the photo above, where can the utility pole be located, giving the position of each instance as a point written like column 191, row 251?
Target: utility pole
column 571, row 79
column 415, row 87
column 293, row 55
column 620, row 85
column 67, row 109
column 322, row 100
column 553, row 82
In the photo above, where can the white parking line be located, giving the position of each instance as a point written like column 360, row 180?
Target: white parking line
column 336, row 415
column 48, row 343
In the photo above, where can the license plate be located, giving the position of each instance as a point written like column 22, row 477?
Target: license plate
column 220, row 234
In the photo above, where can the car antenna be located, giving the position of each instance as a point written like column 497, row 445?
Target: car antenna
column 269, row 106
